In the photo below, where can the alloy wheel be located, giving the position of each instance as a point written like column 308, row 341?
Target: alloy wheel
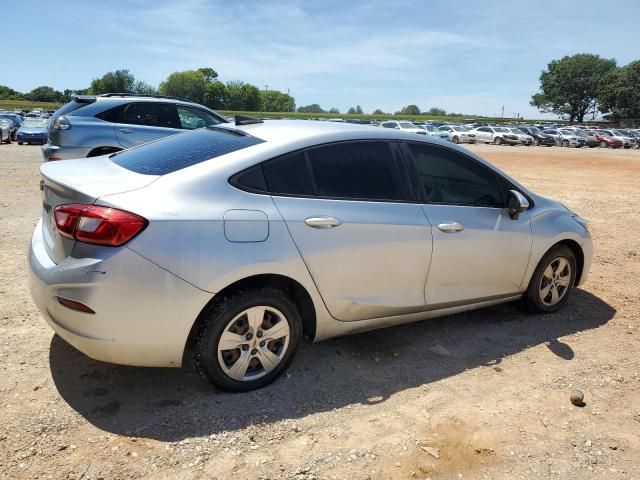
column 555, row 281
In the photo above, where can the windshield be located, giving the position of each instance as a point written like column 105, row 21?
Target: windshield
column 462, row 129
column 406, row 125
column 618, row 132
column 501, row 130
column 34, row 123
column 517, row 131
column 430, row 128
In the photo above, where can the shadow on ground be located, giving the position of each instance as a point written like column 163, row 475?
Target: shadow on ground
column 171, row 404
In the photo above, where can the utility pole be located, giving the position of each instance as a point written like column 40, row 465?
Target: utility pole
column 265, row 88
column 502, row 114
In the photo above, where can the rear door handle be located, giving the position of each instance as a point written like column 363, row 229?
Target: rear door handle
column 125, row 130
column 323, row 222
column 450, row 227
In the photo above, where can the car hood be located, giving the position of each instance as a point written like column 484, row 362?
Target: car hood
column 32, row 130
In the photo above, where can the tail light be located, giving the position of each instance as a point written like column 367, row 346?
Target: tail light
column 98, row 225
column 61, row 123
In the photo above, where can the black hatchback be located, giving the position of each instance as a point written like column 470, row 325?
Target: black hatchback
column 539, row 138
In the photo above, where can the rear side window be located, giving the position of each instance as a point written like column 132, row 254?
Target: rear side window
column 447, row 177
column 182, row 150
column 151, row 114
column 362, row 170
column 289, row 175
column 67, row 108
column 356, row 170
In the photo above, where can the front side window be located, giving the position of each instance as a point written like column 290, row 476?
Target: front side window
column 151, row 115
column 447, row 177
column 354, row 170
column 192, row 118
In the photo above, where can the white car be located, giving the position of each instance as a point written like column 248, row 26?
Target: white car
column 523, row 138
column 5, row 131
column 497, row 135
column 404, row 126
column 433, row 131
column 565, row 137
column 459, row 133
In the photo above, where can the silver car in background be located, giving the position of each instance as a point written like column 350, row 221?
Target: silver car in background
column 226, row 244
column 94, row 125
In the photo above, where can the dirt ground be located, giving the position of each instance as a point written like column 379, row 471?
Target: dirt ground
column 477, row 395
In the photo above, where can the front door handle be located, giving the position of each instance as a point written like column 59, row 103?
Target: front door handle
column 125, row 130
column 323, row 222
column 450, row 227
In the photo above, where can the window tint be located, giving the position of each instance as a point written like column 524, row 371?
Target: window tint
column 289, row 175
column 389, row 125
column 151, row 114
column 182, row 150
column 449, row 177
column 363, row 170
column 251, row 179
column 191, row 118
column 112, row 115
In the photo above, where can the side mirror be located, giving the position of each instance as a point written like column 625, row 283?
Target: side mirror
column 516, row 204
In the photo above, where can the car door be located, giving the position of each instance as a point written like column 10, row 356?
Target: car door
column 366, row 247
column 142, row 122
column 479, row 252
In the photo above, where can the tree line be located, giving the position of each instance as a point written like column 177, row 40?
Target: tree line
column 576, row 86
column 202, row 86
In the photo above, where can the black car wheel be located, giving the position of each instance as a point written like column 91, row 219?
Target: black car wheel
column 603, row 144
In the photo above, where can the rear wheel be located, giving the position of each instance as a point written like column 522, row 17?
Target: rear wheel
column 552, row 281
column 247, row 340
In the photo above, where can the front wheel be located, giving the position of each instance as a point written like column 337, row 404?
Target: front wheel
column 247, row 340
column 19, row 143
column 552, row 281
column 498, row 141
column 603, row 144
column 455, row 139
column 565, row 143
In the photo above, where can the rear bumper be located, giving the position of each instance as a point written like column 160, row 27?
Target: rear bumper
column 143, row 314
column 57, row 152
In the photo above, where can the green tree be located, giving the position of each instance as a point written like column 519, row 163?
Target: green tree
column 144, row 88
column 44, row 94
column 334, row 110
column 351, row 111
column 377, row 111
column 409, row 110
column 313, row 108
column 275, row 101
column 120, row 81
column 215, row 94
column 619, row 91
column 359, row 110
column 209, row 74
column 569, row 86
column 436, row 112
column 241, row 96
column 7, row 93
column 189, row 84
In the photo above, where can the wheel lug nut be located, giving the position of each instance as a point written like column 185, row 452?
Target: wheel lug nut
column 254, row 351
column 259, row 334
column 245, row 347
column 263, row 343
column 248, row 336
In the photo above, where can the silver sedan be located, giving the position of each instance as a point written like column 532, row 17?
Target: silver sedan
column 226, row 245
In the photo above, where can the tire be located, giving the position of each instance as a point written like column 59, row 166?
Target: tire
column 455, row 139
column 535, row 297
column 20, row 143
column 8, row 139
column 564, row 143
column 537, row 142
column 603, row 144
column 216, row 365
column 497, row 140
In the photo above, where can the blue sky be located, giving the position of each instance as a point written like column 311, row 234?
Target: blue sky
column 464, row 56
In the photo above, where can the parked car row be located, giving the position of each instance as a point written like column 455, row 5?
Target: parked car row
column 24, row 126
column 562, row 136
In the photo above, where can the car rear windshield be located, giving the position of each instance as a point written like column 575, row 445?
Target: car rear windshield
column 183, row 150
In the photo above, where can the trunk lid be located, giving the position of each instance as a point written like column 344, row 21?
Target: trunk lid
column 80, row 181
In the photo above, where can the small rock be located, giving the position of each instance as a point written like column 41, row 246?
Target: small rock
column 633, row 253
column 577, row 398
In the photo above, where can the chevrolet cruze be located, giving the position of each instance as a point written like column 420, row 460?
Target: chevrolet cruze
column 225, row 245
